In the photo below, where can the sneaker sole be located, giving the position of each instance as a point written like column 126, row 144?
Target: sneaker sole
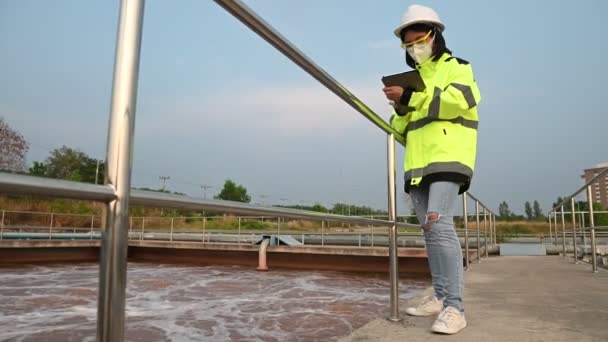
column 445, row 332
column 414, row 313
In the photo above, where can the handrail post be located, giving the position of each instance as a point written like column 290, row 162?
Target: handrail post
column 51, row 227
column 204, row 227
column 581, row 225
column 573, row 209
column 465, row 217
column 485, row 230
column 392, row 212
column 563, row 231
column 592, row 226
column 239, row 233
column 478, row 228
column 92, row 226
column 143, row 225
column 556, row 229
column 2, row 224
column 550, row 230
column 171, row 234
column 494, row 228
column 322, row 233
column 114, row 238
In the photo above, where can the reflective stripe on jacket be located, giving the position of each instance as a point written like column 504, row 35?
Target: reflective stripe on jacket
column 441, row 126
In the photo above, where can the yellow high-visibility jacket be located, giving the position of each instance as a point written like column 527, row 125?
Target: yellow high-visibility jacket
column 440, row 124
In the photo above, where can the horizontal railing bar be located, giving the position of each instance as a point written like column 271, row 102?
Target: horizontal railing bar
column 47, row 213
column 582, row 188
column 274, row 38
column 596, row 228
column 29, row 185
column 158, row 199
column 15, row 184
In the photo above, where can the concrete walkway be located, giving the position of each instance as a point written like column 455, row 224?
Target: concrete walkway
column 519, row 298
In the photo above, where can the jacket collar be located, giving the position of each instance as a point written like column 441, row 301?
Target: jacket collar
column 431, row 64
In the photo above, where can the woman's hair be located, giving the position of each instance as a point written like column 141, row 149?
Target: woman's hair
column 439, row 47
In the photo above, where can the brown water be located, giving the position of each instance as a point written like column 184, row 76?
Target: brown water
column 192, row 303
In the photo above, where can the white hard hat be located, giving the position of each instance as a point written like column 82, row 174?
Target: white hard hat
column 419, row 14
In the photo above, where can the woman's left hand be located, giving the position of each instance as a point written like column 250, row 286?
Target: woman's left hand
column 393, row 93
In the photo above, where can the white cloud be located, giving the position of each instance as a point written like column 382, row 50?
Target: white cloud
column 297, row 109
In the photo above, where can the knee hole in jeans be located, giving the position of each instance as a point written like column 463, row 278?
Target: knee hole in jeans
column 431, row 218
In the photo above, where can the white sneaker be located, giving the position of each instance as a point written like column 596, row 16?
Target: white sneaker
column 450, row 321
column 429, row 306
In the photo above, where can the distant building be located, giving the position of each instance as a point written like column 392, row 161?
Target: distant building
column 599, row 190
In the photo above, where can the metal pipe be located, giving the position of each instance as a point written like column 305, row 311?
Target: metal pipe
column 113, row 261
column 592, row 226
column 478, row 228
column 239, row 234
column 143, row 225
column 165, row 200
column 485, row 231
column 37, row 186
column 563, row 232
column 392, row 213
column 171, row 234
column 263, row 255
column 574, row 229
column 465, row 217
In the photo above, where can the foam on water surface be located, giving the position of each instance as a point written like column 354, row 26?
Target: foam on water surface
column 193, row 303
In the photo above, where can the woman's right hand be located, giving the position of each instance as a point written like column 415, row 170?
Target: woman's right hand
column 393, row 93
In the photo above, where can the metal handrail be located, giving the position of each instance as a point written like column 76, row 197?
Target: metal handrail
column 10, row 183
column 581, row 189
column 592, row 229
column 29, row 185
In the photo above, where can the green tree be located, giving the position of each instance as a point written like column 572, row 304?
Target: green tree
column 504, row 212
column 70, row 164
column 233, row 192
column 558, row 201
column 38, row 169
column 318, row 208
column 538, row 213
column 13, row 148
column 529, row 213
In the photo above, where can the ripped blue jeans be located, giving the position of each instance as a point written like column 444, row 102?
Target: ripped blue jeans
column 434, row 205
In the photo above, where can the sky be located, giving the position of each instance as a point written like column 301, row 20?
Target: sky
column 216, row 102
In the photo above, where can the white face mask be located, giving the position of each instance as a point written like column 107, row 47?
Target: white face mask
column 421, row 52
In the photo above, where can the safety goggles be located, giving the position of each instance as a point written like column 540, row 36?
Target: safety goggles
column 417, row 41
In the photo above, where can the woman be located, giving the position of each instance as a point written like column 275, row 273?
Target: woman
column 440, row 125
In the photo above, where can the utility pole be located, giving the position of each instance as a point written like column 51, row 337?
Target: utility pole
column 164, row 180
column 205, row 187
